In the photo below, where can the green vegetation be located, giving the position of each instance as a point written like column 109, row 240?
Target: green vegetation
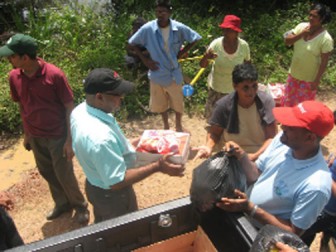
column 78, row 39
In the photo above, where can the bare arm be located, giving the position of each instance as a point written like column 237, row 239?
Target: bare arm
column 208, row 55
column 291, row 38
column 137, row 174
column 135, row 141
column 214, row 134
column 265, row 217
column 333, row 189
column 242, row 204
column 186, row 49
column 67, row 149
column 147, row 61
column 321, row 70
column 249, row 167
column 270, row 131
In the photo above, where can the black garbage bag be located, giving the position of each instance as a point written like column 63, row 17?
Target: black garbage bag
column 215, row 178
column 268, row 235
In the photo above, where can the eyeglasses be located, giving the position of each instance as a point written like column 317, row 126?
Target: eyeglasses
column 246, row 88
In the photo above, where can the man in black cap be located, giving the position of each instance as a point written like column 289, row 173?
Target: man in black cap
column 103, row 151
column 46, row 101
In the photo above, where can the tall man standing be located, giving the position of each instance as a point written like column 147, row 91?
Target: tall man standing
column 46, row 101
column 163, row 38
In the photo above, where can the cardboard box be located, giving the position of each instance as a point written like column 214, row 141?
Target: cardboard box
column 196, row 241
column 144, row 158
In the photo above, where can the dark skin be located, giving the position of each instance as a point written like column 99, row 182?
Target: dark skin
column 110, row 103
column 6, row 201
column 246, row 91
column 304, row 145
column 163, row 19
column 230, row 45
column 313, row 29
column 30, row 66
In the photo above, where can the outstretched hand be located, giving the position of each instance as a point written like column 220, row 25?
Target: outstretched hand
column 169, row 168
column 202, row 152
column 238, row 204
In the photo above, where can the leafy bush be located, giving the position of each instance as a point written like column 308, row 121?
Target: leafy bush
column 9, row 112
column 77, row 39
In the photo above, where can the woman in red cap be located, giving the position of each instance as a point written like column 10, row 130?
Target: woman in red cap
column 227, row 51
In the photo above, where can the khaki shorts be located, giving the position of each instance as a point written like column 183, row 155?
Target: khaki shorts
column 164, row 98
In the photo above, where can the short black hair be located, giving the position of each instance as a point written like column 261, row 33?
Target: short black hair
column 323, row 11
column 164, row 3
column 139, row 21
column 243, row 72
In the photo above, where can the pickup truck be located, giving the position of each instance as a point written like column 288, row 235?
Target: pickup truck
column 227, row 231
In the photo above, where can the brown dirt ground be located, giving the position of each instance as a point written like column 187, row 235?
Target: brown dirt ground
column 32, row 198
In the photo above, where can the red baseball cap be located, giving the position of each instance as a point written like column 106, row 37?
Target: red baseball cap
column 231, row 22
column 311, row 115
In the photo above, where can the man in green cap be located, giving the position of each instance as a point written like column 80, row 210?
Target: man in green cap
column 46, row 101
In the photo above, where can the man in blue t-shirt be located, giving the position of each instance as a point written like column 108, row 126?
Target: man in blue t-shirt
column 326, row 222
column 290, row 182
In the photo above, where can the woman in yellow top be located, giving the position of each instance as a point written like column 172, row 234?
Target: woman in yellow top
column 312, row 48
column 227, row 51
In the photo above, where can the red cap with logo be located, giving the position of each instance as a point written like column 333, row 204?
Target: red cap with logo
column 231, row 22
column 311, row 115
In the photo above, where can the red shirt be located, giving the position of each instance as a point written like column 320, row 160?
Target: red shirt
column 41, row 99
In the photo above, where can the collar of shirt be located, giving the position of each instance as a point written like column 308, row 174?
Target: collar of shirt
column 171, row 24
column 108, row 118
column 306, row 163
column 40, row 72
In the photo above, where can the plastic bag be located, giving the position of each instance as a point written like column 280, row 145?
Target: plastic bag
column 268, row 235
column 159, row 141
column 215, row 178
column 277, row 91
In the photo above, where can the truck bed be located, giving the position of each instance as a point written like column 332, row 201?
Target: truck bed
column 227, row 231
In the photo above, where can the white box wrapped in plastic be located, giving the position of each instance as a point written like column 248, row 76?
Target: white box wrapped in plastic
column 144, row 158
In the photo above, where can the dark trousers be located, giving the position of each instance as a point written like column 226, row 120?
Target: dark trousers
column 325, row 223
column 109, row 204
column 57, row 171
